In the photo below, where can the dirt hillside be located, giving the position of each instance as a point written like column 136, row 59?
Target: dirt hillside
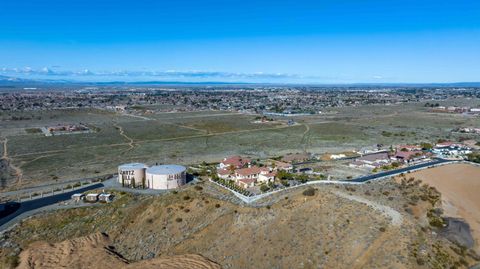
column 95, row 251
column 368, row 226
column 459, row 185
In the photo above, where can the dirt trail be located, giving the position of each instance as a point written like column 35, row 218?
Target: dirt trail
column 204, row 116
column 203, row 131
column 305, row 137
column 156, row 140
column 136, row 116
column 369, row 254
column 122, row 133
column 37, row 158
column 18, row 171
column 170, row 123
column 394, row 215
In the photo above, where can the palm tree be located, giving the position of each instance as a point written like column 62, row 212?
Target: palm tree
column 232, row 169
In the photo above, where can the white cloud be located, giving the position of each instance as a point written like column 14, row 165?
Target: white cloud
column 160, row 74
column 166, row 75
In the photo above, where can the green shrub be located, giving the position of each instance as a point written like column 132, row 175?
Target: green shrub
column 264, row 188
column 309, row 192
column 10, row 261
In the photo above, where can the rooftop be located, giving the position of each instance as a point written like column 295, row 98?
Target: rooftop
column 132, row 166
column 249, row 171
column 166, row 169
column 237, row 161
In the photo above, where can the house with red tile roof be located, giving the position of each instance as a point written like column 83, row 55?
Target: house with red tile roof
column 244, row 174
column 252, row 173
column 268, row 177
column 278, row 165
column 246, row 183
column 372, row 160
column 409, row 156
column 225, row 173
column 236, row 161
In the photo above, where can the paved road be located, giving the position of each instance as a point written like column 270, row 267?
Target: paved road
column 46, row 201
column 51, row 185
column 398, row 171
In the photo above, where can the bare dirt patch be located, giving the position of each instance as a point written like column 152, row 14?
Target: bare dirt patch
column 96, row 251
column 459, row 185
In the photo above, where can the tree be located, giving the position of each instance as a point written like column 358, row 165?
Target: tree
column 203, row 171
column 213, row 170
column 474, row 157
column 302, row 178
column 426, row 146
column 309, row 192
column 281, row 174
column 264, row 188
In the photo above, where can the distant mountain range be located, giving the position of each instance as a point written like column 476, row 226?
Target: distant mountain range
column 14, row 82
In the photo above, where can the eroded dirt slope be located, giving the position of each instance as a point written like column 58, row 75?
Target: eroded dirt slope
column 96, row 251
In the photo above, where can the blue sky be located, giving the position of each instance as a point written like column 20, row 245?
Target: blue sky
column 250, row 41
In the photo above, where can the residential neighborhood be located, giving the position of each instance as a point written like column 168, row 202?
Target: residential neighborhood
column 257, row 175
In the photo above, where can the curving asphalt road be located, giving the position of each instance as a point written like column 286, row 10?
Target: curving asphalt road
column 45, row 201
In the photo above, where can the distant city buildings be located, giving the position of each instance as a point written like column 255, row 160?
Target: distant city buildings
column 272, row 101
